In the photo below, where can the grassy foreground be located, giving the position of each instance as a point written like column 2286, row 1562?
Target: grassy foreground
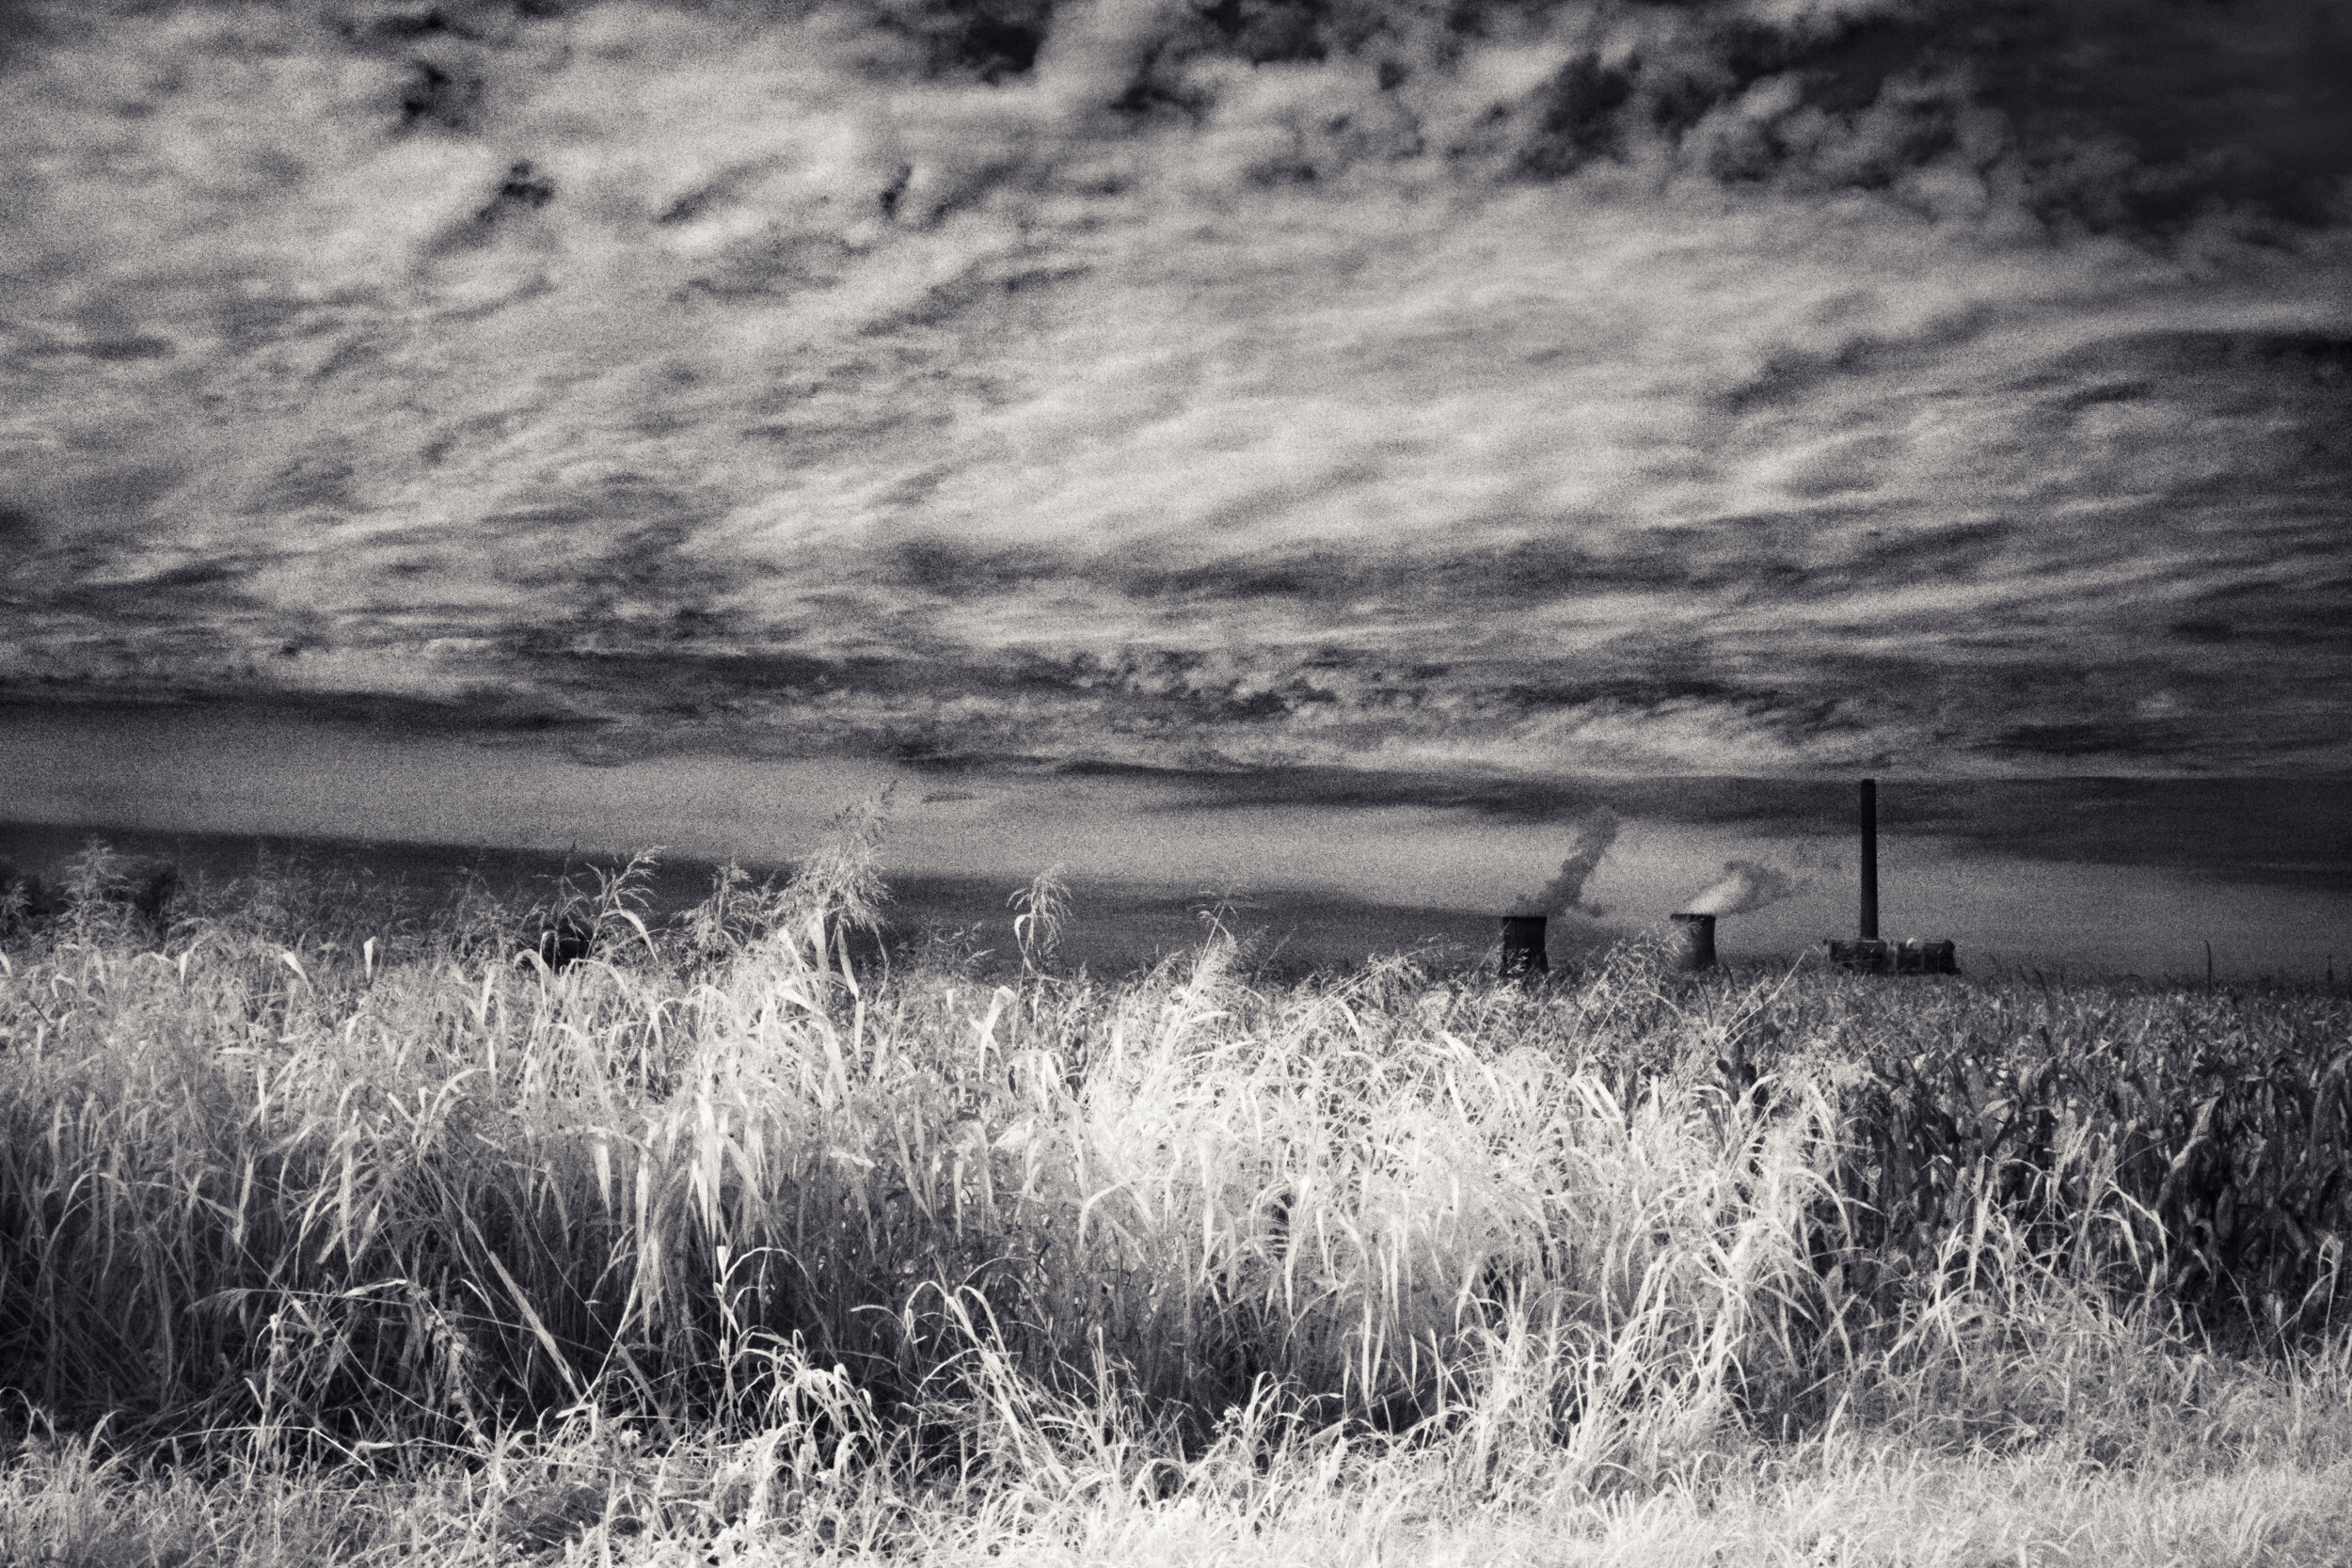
column 332, row 1230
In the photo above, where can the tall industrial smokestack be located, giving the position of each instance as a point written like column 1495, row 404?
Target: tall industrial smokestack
column 1524, row 954
column 1870, row 931
column 1866, row 953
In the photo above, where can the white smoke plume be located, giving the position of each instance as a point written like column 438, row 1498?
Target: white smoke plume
column 1745, row 885
column 1565, row 892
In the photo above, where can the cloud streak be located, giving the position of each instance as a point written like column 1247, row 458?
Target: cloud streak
column 1756, row 389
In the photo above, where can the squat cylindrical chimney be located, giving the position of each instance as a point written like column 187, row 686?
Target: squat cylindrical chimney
column 1693, row 941
column 1523, row 946
column 1870, row 923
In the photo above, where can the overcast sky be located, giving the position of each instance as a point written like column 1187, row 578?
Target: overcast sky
column 1485, row 392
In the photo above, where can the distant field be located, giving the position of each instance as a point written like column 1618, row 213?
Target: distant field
column 336, row 1226
column 2094, row 877
column 1118, row 925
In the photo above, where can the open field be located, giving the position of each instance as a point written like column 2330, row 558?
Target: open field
column 1122, row 923
column 333, row 1230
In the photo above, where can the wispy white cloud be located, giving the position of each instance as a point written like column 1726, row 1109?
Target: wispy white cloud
column 1615, row 388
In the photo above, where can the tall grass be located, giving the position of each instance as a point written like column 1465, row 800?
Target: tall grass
column 309, row 1178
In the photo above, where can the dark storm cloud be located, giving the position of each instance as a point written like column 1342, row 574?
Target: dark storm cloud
column 2293, row 833
column 2270, row 832
column 1770, row 388
column 2275, row 832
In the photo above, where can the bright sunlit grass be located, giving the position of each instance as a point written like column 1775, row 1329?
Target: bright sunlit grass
column 335, row 1231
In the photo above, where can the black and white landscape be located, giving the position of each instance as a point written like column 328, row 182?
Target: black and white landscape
column 1258, row 636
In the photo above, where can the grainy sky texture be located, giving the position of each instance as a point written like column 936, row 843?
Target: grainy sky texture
column 1755, row 387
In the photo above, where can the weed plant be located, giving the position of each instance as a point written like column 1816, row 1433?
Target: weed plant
column 712, row 1231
